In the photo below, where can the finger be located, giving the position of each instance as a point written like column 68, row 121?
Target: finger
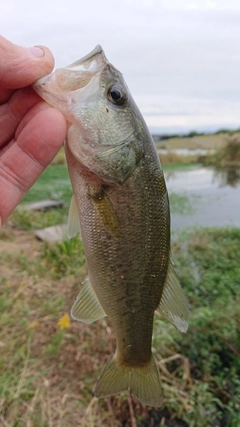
column 22, row 164
column 5, row 94
column 22, row 66
column 12, row 113
column 30, row 115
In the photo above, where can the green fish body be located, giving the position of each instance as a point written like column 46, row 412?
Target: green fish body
column 121, row 206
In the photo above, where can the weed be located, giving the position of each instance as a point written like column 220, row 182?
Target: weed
column 65, row 257
column 226, row 156
column 181, row 204
column 53, row 184
column 35, row 220
column 48, row 373
column 55, row 345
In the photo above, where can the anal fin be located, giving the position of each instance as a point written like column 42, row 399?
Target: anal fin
column 173, row 304
column 87, row 308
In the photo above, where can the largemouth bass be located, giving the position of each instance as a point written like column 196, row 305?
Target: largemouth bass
column 121, row 206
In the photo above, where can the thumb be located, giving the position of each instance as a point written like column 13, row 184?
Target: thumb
column 20, row 66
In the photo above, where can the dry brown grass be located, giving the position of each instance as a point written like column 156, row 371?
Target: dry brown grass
column 203, row 141
column 60, row 158
column 172, row 158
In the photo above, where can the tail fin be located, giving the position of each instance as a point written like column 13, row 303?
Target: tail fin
column 142, row 382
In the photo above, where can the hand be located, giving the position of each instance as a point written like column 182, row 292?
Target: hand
column 31, row 132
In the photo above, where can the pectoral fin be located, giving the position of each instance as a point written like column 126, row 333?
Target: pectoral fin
column 87, row 308
column 106, row 212
column 73, row 226
column 173, row 304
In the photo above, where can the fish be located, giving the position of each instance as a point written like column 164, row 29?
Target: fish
column 120, row 206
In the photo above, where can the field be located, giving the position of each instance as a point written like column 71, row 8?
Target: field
column 49, row 364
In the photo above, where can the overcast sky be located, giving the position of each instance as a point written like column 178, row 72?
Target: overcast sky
column 180, row 58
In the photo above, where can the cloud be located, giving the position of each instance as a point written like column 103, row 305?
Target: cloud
column 201, row 4
column 164, row 51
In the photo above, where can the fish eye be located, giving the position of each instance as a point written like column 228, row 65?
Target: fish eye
column 116, row 95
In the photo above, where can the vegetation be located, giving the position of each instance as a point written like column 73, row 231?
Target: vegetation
column 187, row 149
column 228, row 155
column 206, row 141
column 49, row 364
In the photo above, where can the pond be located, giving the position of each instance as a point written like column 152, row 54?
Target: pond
column 212, row 197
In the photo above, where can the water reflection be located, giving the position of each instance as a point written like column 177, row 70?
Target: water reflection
column 214, row 194
column 200, row 177
column 228, row 176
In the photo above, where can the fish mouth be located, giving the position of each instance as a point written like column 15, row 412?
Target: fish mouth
column 94, row 61
column 73, row 77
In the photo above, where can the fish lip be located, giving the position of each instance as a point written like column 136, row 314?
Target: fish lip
column 94, row 61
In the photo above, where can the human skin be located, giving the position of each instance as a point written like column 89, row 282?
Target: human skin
column 31, row 132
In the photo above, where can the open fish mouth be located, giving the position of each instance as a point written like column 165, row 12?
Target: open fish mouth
column 73, row 77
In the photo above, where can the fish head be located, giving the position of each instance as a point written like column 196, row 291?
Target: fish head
column 104, row 121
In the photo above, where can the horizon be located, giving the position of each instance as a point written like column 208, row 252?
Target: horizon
column 183, row 132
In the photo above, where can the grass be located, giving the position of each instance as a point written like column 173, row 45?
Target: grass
column 49, row 364
column 53, row 184
column 170, row 158
column 227, row 155
column 48, row 373
column 209, row 270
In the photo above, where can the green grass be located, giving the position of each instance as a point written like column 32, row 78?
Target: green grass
column 47, row 374
column 179, row 166
column 209, row 270
column 54, row 183
column 41, row 363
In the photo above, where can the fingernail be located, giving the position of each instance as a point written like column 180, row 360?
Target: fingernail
column 36, row 51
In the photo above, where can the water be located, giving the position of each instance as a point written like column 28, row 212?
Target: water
column 215, row 196
column 186, row 151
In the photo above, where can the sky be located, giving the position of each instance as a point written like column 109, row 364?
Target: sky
column 180, row 58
